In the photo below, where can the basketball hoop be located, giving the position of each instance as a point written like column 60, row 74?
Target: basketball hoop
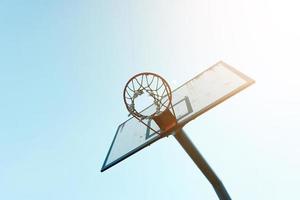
column 158, row 90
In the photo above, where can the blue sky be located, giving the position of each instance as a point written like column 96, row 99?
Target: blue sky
column 63, row 66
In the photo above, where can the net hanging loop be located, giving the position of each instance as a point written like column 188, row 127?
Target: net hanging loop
column 156, row 87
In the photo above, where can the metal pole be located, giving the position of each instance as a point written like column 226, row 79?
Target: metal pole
column 198, row 159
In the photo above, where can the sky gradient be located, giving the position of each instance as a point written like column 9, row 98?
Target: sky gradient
column 63, row 66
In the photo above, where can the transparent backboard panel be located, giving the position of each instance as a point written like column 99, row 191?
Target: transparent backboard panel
column 190, row 100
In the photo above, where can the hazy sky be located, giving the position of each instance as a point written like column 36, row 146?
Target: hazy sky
column 63, row 66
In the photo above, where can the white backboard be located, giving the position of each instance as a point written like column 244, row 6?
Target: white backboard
column 190, row 100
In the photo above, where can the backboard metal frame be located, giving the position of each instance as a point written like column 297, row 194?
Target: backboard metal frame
column 248, row 82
